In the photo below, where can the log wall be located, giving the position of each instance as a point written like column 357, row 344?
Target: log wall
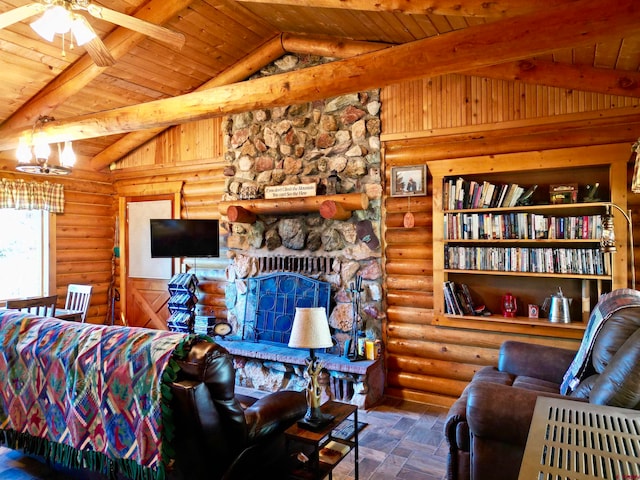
column 444, row 117
column 459, row 116
column 192, row 154
column 84, row 237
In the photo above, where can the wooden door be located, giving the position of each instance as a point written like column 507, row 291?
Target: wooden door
column 147, row 301
column 147, row 278
column 145, row 297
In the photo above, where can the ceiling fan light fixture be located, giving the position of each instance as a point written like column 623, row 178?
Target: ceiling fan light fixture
column 60, row 18
column 33, row 154
column 67, row 156
column 23, row 152
column 56, row 19
column 81, row 30
column 43, row 28
column 41, row 149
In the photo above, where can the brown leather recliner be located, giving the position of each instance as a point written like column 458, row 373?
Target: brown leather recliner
column 487, row 427
column 223, row 435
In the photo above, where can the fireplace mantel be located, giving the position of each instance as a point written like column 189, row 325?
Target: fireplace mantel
column 365, row 378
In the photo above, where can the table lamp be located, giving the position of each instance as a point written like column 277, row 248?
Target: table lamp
column 311, row 330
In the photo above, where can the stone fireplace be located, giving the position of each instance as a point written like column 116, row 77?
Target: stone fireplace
column 335, row 146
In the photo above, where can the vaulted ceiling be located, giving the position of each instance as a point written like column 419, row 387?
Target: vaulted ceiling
column 591, row 45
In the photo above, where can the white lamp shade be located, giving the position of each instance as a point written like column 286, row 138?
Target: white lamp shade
column 310, row 329
column 41, row 148
column 42, row 27
column 82, row 32
column 67, row 156
column 56, row 19
column 23, row 152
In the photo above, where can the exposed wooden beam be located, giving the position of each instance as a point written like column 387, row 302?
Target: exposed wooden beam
column 267, row 53
column 84, row 70
column 538, row 72
column 270, row 51
column 466, row 8
column 580, row 23
column 561, row 75
column 327, row 46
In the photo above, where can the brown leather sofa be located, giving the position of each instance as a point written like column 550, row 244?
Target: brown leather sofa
column 487, row 427
column 221, row 435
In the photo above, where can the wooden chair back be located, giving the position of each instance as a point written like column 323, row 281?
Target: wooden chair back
column 78, row 298
column 43, row 306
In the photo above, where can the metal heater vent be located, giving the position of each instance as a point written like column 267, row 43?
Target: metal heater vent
column 574, row 440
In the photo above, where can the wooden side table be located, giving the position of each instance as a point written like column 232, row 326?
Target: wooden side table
column 309, row 443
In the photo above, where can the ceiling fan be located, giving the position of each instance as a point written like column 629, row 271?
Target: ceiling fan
column 61, row 17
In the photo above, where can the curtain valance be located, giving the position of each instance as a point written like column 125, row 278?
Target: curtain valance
column 23, row 195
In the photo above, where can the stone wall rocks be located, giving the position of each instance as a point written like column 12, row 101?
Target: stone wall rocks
column 333, row 144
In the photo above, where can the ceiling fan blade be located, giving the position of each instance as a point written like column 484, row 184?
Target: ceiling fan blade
column 161, row 34
column 99, row 53
column 18, row 14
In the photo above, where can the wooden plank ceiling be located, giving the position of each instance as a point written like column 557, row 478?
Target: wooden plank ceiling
column 221, row 34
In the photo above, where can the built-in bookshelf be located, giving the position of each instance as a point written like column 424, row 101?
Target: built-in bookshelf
column 526, row 224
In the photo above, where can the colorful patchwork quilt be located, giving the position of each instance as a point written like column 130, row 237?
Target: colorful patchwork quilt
column 85, row 395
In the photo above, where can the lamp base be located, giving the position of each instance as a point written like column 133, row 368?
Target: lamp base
column 316, row 422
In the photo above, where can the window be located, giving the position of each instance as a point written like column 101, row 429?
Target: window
column 24, row 253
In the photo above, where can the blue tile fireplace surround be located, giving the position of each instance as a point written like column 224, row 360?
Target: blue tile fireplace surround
column 271, row 301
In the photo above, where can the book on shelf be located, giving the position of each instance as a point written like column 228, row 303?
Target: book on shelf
column 451, row 299
column 580, row 261
column 332, row 452
column 503, row 191
column 458, row 300
column 488, row 199
column 459, row 193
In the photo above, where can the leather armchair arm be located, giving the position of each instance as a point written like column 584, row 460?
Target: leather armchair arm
column 501, row 413
column 538, row 361
column 455, row 427
column 274, row 413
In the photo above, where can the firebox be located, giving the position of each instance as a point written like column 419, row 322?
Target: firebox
column 271, row 305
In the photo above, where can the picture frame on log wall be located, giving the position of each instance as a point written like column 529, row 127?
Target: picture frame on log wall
column 409, row 181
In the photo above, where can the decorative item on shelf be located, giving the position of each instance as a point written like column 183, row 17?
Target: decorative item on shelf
column 509, row 305
column 527, row 197
column 563, row 193
column 608, row 238
column 310, row 330
column 534, row 311
column 559, row 308
column 372, row 349
column 592, row 193
column 34, row 153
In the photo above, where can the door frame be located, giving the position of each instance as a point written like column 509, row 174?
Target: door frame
column 141, row 192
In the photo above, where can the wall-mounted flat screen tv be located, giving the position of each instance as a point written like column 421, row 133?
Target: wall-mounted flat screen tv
column 184, row 238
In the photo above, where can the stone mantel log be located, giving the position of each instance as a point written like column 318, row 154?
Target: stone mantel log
column 286, row 206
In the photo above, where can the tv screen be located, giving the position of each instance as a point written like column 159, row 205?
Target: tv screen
column 184, row 238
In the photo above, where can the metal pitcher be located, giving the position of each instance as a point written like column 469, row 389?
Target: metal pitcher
column 559, row 309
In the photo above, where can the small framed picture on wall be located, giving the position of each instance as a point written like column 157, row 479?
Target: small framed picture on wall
column 409, row 181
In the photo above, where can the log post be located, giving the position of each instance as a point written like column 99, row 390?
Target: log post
column 332, row 210
column 237, row 214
